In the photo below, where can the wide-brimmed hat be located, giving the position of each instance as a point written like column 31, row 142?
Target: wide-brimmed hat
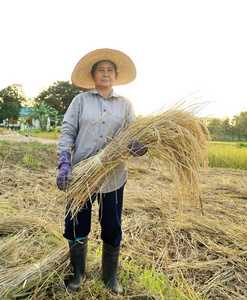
column 81, row 75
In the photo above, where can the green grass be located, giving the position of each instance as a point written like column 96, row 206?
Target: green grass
column 33, row 155
column 31, row 161
column 43, row 134
column 227, row 155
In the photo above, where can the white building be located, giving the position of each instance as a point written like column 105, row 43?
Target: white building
column 24, row 121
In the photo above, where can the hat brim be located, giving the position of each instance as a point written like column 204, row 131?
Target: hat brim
column 81, row 75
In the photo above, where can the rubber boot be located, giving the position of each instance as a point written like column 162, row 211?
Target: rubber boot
column 78, row 256
column 109, row 265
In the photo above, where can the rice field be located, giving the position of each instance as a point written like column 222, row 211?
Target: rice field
column 227, row 155
column 203, row 256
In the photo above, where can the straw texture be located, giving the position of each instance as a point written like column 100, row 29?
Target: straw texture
column 25, row 264
column 19, row 279
column 81, row 75
column 174, row 136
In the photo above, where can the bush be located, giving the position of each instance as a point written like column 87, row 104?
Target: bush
column 241, row 145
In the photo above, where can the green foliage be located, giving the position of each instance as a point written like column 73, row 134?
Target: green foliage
column 148, row 279
column 40, row 112
column 241, row 124
column 31, row 161
column 241, row 145
column 59, row 95
column 56, row 119
column 11, row 100
column 226, row 129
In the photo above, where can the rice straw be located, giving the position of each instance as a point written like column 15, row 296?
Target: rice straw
column 22, row 278
column 175, row 136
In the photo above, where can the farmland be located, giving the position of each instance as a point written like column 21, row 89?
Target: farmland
column 228, row 155
column 199, row 253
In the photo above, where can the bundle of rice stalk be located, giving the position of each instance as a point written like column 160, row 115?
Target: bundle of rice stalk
column 175, row 136
column 31, row 224
column 23, row 278
column 8, row 248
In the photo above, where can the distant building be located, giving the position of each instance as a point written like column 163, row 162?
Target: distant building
column 24, row 121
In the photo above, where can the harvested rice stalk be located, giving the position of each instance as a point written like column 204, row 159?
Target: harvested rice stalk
column 20, row 279
column 174, row 136
column 31, row 224
column 23, row 240
column 8, row 249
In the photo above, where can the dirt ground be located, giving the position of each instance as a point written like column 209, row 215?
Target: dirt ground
column 15, row 137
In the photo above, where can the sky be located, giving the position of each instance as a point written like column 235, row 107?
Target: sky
column 190, row 49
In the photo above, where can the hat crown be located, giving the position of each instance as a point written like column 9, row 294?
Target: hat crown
column 81, row 76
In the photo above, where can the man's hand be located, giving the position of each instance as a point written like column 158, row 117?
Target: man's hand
column 137, row 148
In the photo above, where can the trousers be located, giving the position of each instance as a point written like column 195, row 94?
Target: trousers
column 110, row 212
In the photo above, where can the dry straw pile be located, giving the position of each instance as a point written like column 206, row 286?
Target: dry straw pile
column 204, row 257
column 20, row 244
column 175, row 136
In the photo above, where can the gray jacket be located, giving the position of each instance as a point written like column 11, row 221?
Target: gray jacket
column 88, row 126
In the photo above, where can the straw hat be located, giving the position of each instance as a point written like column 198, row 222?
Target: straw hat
column 81, row 75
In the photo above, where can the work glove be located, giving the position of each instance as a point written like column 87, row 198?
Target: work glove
column 136, row 148
column 64, row 173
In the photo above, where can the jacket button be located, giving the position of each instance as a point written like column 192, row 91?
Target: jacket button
column 103, row 122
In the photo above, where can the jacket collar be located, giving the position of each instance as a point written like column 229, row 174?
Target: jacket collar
column 113, row 93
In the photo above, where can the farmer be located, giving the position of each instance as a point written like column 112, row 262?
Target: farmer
column 91, row 121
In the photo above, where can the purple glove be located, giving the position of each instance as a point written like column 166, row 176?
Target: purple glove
column 137, row 148
column 64, row 173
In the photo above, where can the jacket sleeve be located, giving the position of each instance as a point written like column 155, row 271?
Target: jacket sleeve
column 70, row 127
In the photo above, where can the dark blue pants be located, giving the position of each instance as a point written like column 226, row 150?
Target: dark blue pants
column 110, row 211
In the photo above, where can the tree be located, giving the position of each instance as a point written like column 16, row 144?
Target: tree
column 56, row 119
column 59, row 95
column 214, row 126
column 11, row 99
column 241, row 124
column 40, row 112
column 227, row 128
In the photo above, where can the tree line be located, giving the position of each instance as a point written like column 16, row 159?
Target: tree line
column 55, row 100
column 227, row 129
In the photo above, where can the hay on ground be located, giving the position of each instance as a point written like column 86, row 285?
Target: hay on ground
column 25, row 263
column 203, row 258
column 22, row 278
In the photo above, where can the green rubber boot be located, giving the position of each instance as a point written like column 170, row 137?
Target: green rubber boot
column 78, row 257
column 109, row 265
